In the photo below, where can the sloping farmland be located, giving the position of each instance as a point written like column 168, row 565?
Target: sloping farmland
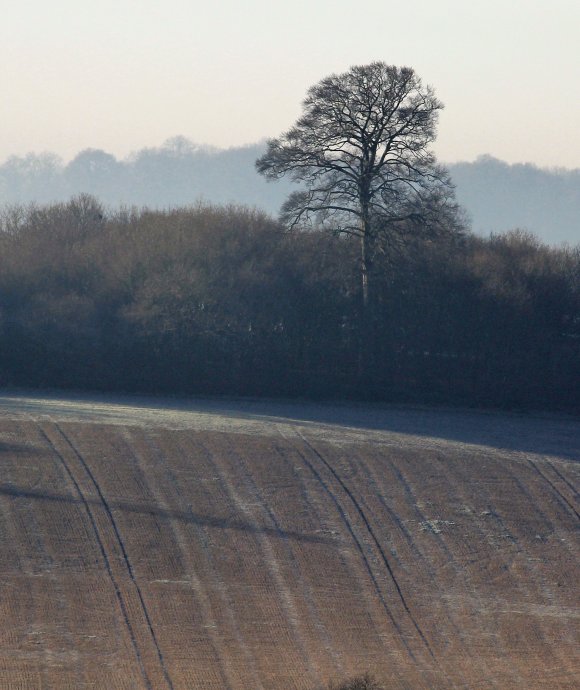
column 166, row 545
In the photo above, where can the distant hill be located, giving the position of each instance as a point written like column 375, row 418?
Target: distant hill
column 497, row 196
column 500, row 197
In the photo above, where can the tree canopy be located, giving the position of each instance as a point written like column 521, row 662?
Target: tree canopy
column 361, row 153
column 223, row 300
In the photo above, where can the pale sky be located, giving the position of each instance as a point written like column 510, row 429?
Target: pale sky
column 125, row 74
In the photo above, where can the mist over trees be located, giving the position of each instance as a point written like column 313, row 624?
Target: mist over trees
column 224, row 300
column 498, row 197
column 174, row 174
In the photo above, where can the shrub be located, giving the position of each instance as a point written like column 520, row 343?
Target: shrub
column 364, row 682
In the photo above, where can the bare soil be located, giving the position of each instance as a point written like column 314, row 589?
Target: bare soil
column 150, row 544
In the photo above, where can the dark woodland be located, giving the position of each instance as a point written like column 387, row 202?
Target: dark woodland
column 224, row 300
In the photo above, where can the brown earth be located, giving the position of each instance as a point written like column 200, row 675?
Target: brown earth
column 252, row 546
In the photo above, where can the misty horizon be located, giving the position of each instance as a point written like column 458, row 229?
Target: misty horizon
column 181, row 144
column 498, row 196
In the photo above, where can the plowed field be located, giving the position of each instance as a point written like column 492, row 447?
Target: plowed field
column 214, row 545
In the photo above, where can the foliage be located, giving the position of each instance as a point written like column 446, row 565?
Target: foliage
column 222, row 300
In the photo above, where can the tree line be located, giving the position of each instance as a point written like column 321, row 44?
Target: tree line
column 177, row 173
column 496, row 195
column 224, row 300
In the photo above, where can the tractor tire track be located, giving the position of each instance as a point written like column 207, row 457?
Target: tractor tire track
column 566, row 481
column 106, row 560
column 377, row 543
column 153, row 450
column 254, row 489
column 460, row 486
column 36, row 561
column 360, row 549
column 124, row 554
column 286, row 594
column 312, row 499
column 373, row 481
column 535, row 505
column 501, row 518
column 309, row 498
column 563, row 499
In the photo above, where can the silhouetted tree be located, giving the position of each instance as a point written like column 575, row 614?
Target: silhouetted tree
column 361, row 152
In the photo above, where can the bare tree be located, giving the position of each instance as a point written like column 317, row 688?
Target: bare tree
column 361, row 152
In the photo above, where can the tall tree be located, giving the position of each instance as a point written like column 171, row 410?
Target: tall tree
column 361, row 153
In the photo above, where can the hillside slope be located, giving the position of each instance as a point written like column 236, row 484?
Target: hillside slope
column 244, row 546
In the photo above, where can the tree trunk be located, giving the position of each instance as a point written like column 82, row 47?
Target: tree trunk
column 364, row 269
column 365, row 349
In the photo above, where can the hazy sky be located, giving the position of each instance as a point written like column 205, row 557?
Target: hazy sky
column 125, row 74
